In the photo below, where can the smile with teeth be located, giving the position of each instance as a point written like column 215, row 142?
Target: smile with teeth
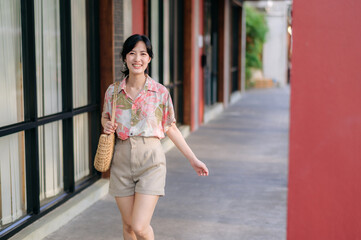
column 137, row 66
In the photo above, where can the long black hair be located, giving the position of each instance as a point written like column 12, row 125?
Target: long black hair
column 128, row 46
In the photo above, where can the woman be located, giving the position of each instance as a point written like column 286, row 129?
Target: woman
column 144, row 113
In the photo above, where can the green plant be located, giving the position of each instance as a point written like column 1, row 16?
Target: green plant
column 256, row 30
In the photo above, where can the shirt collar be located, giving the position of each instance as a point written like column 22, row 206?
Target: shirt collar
column 150, row 84
column 122, row 85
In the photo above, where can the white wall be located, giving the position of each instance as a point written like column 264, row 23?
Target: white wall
column 275, row 48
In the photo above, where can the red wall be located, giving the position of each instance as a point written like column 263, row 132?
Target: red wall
column 138, row 16
column 324, row 201
column 201, row 69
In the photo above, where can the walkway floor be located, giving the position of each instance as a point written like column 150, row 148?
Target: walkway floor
column 245, row 196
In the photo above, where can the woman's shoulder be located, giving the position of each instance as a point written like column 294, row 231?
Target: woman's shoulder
column 110, row 89
column 156, row 86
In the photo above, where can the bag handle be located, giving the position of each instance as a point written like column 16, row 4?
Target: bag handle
column 115, row 95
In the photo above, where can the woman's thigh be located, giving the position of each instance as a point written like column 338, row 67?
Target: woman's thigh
column 143, row 209
column 125, row 205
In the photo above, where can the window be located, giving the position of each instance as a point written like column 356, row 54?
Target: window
column 11, row 82
column 12, row 161
column 50, row 160
column 48, row 62
column 49, row 92
column 12, row 178
column 82, row 164
column 79, row 53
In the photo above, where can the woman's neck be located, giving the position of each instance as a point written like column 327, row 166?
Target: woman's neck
column 136, row 81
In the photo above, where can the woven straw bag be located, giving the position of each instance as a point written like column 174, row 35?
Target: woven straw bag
column 105, row 150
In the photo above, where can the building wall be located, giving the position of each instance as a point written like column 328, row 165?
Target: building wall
column 196, row 66
column 224, row 65
column 112, row 31
column 201, row 69
column 275, row 47
column 189, row 72
column 127, row 18
column 138, row 16
column 154, row 37
column 118, row 37
column 325, row 131
column 106, row 32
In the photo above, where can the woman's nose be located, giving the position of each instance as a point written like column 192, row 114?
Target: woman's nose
column 137, row 57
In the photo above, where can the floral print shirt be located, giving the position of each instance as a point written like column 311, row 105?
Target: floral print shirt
column 150, row 114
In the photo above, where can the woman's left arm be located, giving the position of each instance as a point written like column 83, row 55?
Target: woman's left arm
column 177, row 138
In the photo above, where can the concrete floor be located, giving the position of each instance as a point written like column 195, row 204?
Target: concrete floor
column 245, row 196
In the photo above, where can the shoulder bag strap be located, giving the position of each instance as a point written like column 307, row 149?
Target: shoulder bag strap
column 115, row 95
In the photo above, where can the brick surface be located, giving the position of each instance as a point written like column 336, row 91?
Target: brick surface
column 118, row 37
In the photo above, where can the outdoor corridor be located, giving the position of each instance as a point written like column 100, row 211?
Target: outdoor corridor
column 245, row 196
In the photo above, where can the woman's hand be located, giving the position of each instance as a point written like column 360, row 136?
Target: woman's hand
column 200, row 167
column 110, row 128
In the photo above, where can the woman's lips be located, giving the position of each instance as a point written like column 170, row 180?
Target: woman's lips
column 137, row 66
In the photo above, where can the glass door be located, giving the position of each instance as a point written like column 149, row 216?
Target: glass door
column 210, row 51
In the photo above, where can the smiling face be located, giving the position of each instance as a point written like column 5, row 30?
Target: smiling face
column 137, row 59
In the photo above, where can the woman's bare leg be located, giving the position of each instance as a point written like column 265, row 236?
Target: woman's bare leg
column 125, row 205
column 143, row 210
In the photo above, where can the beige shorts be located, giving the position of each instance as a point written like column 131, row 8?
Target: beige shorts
column 138, row 165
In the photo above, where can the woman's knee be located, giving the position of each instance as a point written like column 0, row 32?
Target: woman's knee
column 127, row 227
column 140, row 230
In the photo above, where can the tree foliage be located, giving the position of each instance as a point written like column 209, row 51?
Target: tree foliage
column 256, row 30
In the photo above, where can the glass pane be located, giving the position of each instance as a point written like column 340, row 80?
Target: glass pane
column 12, row 178
column 50, row 160
column 48, row 62
column 11, row 82
column 81, row 146
column 79, row 53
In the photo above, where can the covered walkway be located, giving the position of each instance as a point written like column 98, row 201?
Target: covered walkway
column 245, row 196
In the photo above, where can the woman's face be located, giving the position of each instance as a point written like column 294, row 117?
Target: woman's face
column 137, row 60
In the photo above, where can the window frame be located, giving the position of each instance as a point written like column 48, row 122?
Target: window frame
column 32, row 121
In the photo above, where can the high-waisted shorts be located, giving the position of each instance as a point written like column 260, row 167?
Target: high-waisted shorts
column 138, row 166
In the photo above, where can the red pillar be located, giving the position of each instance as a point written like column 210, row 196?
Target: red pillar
column 189, row 62
column 138, row 16
column 324, row 201
column 201, row 73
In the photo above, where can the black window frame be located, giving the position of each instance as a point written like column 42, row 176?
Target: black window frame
column 32, row 121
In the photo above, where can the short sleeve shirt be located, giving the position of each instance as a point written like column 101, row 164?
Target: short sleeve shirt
column 150, row 114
